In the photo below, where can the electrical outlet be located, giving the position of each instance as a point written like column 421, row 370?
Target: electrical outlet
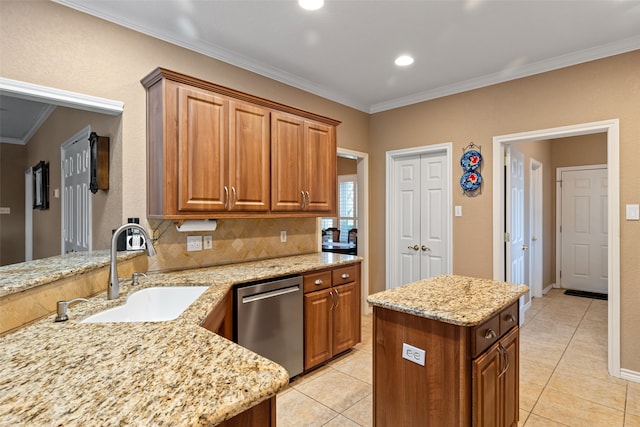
column 194, row 243
column 283, row 236
column 413, row 354
column 208, row 242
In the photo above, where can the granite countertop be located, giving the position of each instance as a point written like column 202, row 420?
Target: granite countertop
column 459, row 300
column 155, row 373
column 26, row 275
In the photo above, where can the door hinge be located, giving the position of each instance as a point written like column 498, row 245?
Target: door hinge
column 507, row 237
column 561, row 228
column 506, row 160
column 561, row 274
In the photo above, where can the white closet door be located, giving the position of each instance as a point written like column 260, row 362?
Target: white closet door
column 420, row 227
column 584, row 264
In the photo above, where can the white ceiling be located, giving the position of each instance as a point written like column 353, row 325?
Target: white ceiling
column 345, row 51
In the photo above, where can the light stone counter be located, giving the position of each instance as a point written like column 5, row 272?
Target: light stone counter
column 28, row 275
column 459, row 300
column 165, row 373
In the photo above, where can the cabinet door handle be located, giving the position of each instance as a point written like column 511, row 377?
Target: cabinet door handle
column 308, row 199
column 504, row 356
column 332, row 301
column 234, row 199
column 226, row 196
column 345, row 275
column 303, row 199
column 490, row 334
column 318, row 282
column 337, row 299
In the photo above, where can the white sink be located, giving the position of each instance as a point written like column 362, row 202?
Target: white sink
column 151, row 305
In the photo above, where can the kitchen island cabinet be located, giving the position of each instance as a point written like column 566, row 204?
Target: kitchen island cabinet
column 446, row 353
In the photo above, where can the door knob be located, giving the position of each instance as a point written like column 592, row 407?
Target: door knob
column 534, row 238
column 425, row 249
column 415, row 247
column 525, row 247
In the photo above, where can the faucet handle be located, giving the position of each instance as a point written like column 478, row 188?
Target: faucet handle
column 135, row 277
column 62, row 308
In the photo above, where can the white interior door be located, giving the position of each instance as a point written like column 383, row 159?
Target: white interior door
column 420, row 224
column 407, row 227
column 516, row 246
column 583, row 230
column 76, row 197
column 535, row 230
column 433, row 214
column 28, row 215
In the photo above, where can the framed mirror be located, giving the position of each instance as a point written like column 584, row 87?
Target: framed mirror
column 40, row 173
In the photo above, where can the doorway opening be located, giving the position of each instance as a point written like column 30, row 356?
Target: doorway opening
column 611, row 129
column 362, row 216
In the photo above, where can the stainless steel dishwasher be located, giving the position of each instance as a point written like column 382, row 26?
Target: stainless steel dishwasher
column 269, row 321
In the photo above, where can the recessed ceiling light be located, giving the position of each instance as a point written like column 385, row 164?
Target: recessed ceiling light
column 404, row 60
column 311, row 4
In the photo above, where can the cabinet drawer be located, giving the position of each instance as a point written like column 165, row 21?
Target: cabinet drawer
column 508, row 318
column 344, row 275
column 316, row 281
column 485, row 334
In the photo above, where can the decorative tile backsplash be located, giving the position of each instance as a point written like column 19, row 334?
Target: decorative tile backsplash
column 234, row 240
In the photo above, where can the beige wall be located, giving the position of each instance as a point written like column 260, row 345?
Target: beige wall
column 13, row 163
column 45, row 43
column 347, row 166
column 598, row 90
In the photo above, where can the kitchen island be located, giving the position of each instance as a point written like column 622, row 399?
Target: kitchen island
column 155, row 373
column 446, row 353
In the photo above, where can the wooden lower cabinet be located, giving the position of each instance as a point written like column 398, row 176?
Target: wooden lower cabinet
column 331, row 314
column 495, row 384
column 220, row 319
column 464, row 382
column 261, row 415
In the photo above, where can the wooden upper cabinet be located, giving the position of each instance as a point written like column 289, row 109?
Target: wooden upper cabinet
column 215, row 152
column 202, row 150
column 303, row 156
column 249, row 158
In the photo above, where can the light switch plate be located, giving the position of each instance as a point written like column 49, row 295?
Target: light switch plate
column 633, row 212
column 283, row 236
column 458, row 211
column 5, row 211
column 413, row 354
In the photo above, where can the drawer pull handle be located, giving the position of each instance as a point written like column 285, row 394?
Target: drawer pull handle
column 510, row 318
column 345, row 275
column 490, row 334
column 318, row 282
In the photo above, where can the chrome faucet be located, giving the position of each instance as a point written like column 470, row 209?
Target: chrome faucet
column 113, row 291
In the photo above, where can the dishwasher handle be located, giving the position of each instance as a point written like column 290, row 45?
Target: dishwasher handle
column 270, row 294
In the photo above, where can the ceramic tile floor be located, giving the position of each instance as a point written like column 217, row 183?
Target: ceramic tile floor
column 563, row 375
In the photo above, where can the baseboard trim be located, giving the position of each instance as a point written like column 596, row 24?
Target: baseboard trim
column 548, row 288
column 627, row 374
